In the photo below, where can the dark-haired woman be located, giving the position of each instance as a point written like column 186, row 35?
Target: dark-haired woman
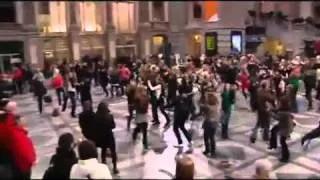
column 105, row 138
column 63, row 160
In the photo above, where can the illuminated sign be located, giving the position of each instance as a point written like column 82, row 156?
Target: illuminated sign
column 211, row 46
column 211, row 11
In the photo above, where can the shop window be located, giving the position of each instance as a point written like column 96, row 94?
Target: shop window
column 197, row 10
column 158, row 11
column 7, row 11
column 52, row 17
column 123, row 17
column 88, row 18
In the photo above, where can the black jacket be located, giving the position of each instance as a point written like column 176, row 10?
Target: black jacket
column 87, row 121
column 104, row 127
column 60, row 165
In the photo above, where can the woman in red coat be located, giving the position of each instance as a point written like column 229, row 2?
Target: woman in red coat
column 15, row 145
column 57, row 83
column 245, row 83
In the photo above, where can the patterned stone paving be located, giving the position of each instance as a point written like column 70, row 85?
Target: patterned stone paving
column 159, row 161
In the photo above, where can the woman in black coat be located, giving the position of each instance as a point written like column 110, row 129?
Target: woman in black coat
column 105, row 138
column 62, row 162
column 87, row 121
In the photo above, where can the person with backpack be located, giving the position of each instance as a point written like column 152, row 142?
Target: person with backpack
column 15, row 143
column 64, row 158
column 57, row 84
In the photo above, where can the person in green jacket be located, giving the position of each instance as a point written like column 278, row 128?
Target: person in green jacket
column 294, row 82
column 227, row 100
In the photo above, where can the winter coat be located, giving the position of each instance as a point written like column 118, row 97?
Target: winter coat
column 39, row 88
column 60, row 165
column 104, row 126
column 90, row 169
column 87, row 122
column 285, row 122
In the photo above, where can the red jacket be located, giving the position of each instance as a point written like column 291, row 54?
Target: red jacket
column 125, row 73
column 57, row 82
column 245, row 82
column 18, row 74
column 14, row 138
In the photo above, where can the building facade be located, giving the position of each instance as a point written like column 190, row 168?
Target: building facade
column 60, row 29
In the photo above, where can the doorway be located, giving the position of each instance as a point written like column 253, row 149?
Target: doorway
column 195, row 43
column 158, row 42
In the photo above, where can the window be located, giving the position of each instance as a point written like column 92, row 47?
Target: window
column 44, row 7
column 52, row 17
column 158, row 11
column 7, row 11
column 197, row 10
column 88, row 17
column 123, row 17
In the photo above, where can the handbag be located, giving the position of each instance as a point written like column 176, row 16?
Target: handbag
column 47, row 99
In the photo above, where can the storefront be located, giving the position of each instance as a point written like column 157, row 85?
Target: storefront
column 92, row 45
column 254, row 37
column 211, row 43
column 126, row 45
column 9, row 51
column 55, row 49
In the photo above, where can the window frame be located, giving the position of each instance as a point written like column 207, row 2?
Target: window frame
column 132, row 28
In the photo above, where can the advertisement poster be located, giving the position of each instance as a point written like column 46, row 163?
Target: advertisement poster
column 236, row 42
column 211, row 40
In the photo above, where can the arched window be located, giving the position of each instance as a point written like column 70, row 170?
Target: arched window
column 123, row 17
column 88, row 18
column 52, row 16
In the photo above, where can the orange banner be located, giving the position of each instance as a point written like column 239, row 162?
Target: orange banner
column 211, row 11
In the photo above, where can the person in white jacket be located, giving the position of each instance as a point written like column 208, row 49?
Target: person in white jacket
column 88, row 166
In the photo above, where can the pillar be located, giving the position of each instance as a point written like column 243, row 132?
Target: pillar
column 306, row 9
column 19, row 12
column 33, row 52
column 74, row 30
column 109, row 34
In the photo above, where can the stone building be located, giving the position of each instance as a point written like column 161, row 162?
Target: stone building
column 61, row 29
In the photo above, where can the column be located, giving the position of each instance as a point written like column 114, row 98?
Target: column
column 109, row 34
column 305, row 9
column 29, row 15
column 74, row 30
column 19, row 12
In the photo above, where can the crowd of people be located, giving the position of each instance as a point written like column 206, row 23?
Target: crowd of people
column 199, row 89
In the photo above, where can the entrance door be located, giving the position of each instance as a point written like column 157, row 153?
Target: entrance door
column 158, row 42
column 195, row 45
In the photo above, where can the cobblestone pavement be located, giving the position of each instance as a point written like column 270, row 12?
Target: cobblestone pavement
column 159, row 161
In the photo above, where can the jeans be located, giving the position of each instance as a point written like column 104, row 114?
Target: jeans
column 315, row 133
column 225, row 118
column 130, row 110
column 72, row 96
column 285, row 154
column 179, row 123
column 19, row 88
column 309, row 95
column 209, row 137
column 40, row 103
column 112, row 146
column 141, row 127
column 60, row 95
column 274, row 137
column 155, row 104
column 114, row 88
column 104, row 88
